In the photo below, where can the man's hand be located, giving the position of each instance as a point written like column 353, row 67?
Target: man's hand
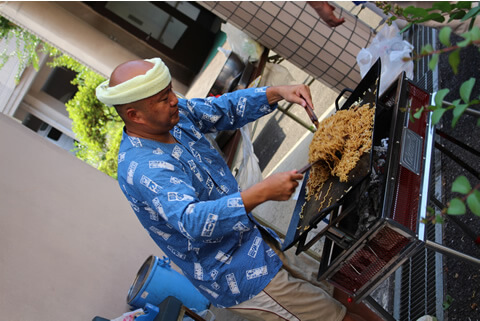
column 325, row 11
column 277, row 187
column 297, row 94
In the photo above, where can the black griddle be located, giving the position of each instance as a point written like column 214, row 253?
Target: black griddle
column 307, row 214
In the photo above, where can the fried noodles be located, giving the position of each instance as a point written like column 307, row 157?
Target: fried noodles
column 338, row 143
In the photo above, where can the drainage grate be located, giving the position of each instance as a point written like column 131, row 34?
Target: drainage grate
column 419, row 282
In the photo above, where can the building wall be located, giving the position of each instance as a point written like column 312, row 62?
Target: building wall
column 9, row 71
column 294, row 30
column 68, row 31
column 70, row 246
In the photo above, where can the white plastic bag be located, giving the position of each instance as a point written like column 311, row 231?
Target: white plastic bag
column 244, row 46
column 249, row 172
column 275, row 75
column 389, row 46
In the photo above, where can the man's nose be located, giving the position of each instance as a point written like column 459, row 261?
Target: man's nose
column 174, row 101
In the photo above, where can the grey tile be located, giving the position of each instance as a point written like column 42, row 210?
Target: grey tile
column 223, row 12
column 250, row 6
column 229, row 5
column 271, row 7
column 327, row 57
column 296, row 37
column 329, row 80
column 259, row 24
column 320, row 64
column 280, row 26
column 242, row 13
column 239, row 22
column 314, row 71
column 308, row 19
column 290, row 44
column 332, row 48
column 311, row 47
column 286, row 18
column 342, row 67
column 283, row 51
column 299, row 61
column 302, row 28
column 317, row 39
column 267, row 41
column 254, row 31
column 335, row 74
column 292, row 8
column 348, row 58
column 277, row 36
column 264, row 16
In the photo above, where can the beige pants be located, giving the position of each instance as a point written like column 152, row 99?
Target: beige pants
column 292, row 295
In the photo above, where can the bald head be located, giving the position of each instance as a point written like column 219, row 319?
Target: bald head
column 133, row 81
column 128, row 70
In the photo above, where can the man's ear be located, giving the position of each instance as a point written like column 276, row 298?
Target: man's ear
column 134, row 115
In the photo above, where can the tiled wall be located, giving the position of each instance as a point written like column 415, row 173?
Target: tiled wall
column 294, row 30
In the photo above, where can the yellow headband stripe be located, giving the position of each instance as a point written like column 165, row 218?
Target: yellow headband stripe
column 137, row 88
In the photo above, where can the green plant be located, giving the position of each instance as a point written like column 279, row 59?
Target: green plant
column 26, row 46
column 98, row 128
column 439, row 12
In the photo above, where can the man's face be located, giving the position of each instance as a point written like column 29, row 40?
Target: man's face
column 160, row 111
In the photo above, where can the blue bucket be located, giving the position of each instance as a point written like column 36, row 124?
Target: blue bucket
column 156, row 280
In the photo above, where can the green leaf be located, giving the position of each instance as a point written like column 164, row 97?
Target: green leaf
column 456, row 207
column 475, row 33
column 437, row 115
column 472, row 12
column 473, row 201
column 458, row 112
column 427, row 49
column 443, row 6
column 418, row 113
column 478, row 122
column 440, row 96
column 463, row 4
column 439, row 219
column 466, row 89
column 433, row 62
column 457, row 15
column 454, row 60
column 433, row 16
column 448, row 302
column 467, row 40
column 461, row 185
column 444, row 36
column 415, row 12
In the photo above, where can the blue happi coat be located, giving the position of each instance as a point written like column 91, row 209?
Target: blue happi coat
column 189, row 202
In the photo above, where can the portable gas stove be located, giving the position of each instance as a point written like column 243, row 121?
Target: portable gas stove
column 371, row 224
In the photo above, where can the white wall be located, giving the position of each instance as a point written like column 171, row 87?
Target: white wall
column 70, row 245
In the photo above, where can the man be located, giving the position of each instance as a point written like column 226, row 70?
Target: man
column 187, row 199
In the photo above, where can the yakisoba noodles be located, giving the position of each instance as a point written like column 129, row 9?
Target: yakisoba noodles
column 339, row 142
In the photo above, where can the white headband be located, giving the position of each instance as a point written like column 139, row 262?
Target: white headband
column 137, row 88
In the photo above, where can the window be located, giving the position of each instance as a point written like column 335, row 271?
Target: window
column 152, row 20
column 58, row 84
